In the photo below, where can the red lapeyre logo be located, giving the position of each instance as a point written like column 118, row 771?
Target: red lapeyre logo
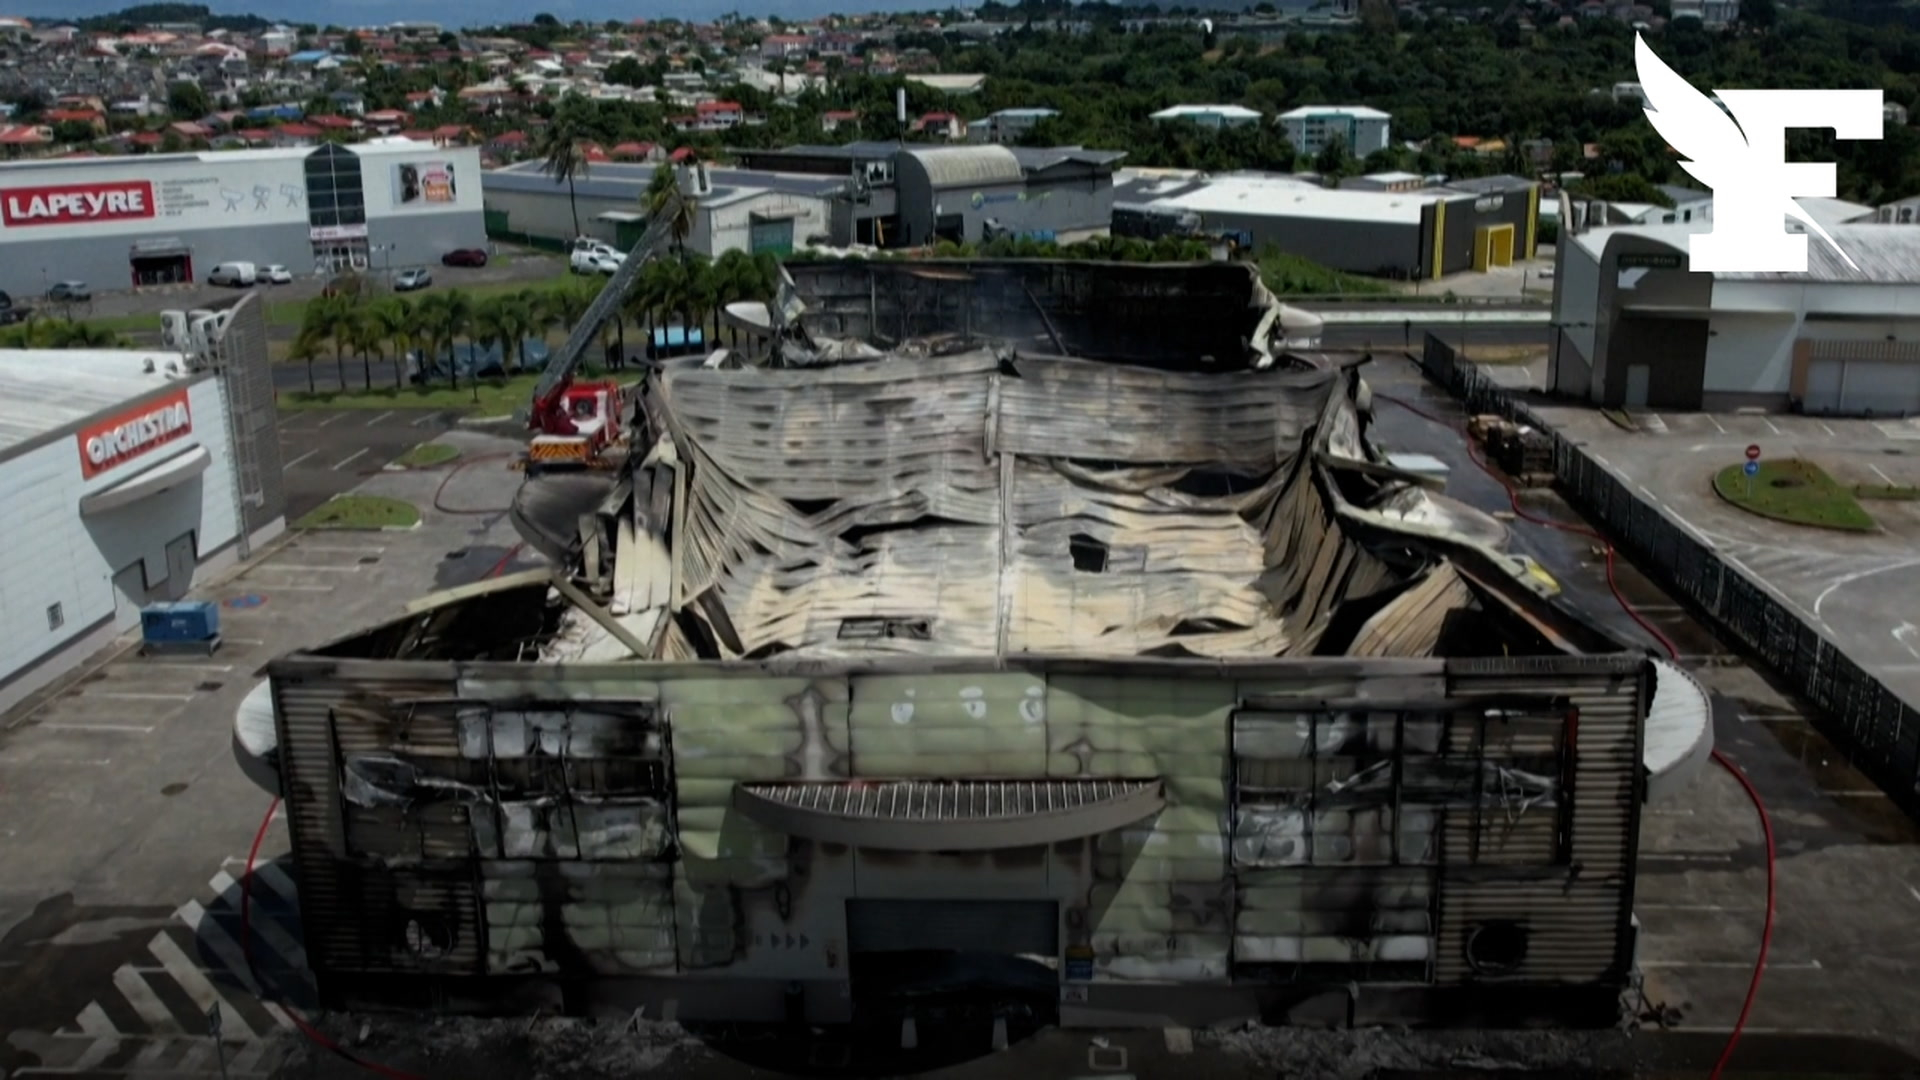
column 71, row 204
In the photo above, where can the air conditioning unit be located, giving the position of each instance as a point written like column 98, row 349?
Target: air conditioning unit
column 206, row 333
column 173, row 331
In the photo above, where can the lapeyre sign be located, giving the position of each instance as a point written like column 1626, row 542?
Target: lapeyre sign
column 119, row 439
column 77, row 204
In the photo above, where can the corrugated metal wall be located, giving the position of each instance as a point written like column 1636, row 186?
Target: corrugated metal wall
column 1400, row 892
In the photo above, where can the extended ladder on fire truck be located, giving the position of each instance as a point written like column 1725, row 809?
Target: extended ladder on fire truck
column 560, row 441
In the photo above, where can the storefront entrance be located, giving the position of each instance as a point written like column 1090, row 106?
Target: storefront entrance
column 340, row 256
column 161, row 262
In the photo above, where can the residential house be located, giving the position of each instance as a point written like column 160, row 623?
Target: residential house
column 1007, row 125
column 23, row 140
column 508, row 146
column 642, row 152
column 941, row 125
column 1360, row 129
column 347, row 102
column 1894, row 114
column 93, row 118
column 338, row 126
column 833, row 118
column 1208, row 116
column 718, row 115
column 295, row 135
column 425, row 99
column 781, row 46
column 385, row 121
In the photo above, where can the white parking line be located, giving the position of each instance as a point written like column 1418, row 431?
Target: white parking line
column 429, row 418
column 1883, row 476
column 350, row 458
column 120, row 729
column 1828, row 430
column 331, row 419
column 1770, row 426
column 377, row 419
column 299, row 459
column 1711, row 419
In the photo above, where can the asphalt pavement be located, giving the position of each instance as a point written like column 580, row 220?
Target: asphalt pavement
column 325, row 452
column 1400, row 336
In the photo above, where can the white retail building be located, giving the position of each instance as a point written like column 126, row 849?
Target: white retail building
column 127, row 476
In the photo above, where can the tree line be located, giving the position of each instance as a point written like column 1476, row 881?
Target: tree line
column 357, row 322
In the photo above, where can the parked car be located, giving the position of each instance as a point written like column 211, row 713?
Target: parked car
column 69, row 292
column 9, row 314
column 595, row 262
column 276, row 275
column 409, row 280
column 238, row 274
column 464, row 257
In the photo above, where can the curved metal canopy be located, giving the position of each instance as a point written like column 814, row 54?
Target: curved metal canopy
column 947, row 815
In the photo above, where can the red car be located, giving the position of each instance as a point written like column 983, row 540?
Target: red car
column 464, row 257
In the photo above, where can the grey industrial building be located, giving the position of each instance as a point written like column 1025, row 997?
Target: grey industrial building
column 161, row 219
column 1381, row 229
column 876, row 193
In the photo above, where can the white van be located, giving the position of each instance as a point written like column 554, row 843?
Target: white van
column 239, row 274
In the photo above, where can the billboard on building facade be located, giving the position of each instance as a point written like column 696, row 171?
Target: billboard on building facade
column 108, row 196
column 134, row 432
column 423, row 183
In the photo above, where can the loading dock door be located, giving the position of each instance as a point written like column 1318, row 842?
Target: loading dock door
column 1841, row 385
column 1492, row 246
column 1008, row 927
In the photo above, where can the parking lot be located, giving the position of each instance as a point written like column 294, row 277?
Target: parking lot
column 125, row 821
column 1861, row 589
column 329, row 451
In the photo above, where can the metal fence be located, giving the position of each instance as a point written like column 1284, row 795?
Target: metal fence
column 1878, row 731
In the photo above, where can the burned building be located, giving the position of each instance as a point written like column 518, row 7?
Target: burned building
column 1035, row 627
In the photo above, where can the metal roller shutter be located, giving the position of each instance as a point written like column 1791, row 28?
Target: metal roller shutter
column 1008, row 927
column 1856, row 378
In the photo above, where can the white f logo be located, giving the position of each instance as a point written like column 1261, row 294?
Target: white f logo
column 1745, row 162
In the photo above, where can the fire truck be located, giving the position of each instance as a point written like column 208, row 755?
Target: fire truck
column 579, row 422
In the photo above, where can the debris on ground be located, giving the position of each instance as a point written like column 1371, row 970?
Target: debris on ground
column 474, row 1048
column 1357, row 1054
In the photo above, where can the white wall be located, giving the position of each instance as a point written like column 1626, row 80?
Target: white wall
column 1577, row 295
column 1751, row 347
column 378, row 170
column 727, row 227
column 52, row 555
column 1749, row 353
column 181, row 193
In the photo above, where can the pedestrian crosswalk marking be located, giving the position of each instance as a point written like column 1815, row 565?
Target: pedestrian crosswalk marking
column 142, row 1024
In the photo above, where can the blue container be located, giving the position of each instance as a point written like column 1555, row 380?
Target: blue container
column 186, row 621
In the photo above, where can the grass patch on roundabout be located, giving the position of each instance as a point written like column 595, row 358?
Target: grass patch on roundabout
column 1796, row 492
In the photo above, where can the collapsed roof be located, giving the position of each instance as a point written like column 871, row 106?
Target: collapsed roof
column 997, row 459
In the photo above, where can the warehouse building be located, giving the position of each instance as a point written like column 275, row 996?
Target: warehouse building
column 735, row 209
column 1386, row 229
column 127, row 476
column 1636, row 328
column 876, row 193
column 160, row 219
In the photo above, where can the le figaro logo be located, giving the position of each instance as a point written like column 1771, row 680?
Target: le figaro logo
column 1742, row 157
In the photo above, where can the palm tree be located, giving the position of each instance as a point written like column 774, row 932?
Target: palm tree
column 459, row 321
column 366, row 336
column 665, row 185
column 332, row 317
column 563, row 148
column 306, row 347
column 493, row 324
column 394, row 318
column 430, row 327
column 520, row 323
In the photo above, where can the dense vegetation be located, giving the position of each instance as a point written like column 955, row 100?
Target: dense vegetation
column 1438, row 78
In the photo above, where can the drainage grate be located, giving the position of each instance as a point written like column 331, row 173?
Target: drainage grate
column 456, row 553
column 209, row 687
column 369, row 560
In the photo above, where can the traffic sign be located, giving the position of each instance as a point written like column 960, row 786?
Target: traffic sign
column 1753, row 452
column 1752, row 467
